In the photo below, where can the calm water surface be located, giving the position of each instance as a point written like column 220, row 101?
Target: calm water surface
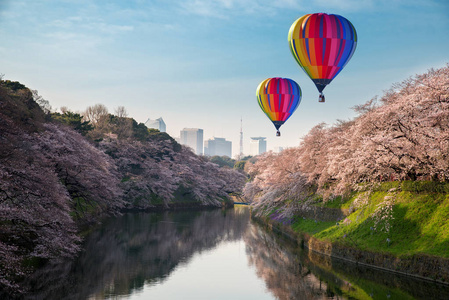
column 217, row 254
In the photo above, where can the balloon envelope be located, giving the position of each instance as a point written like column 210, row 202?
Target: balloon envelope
column 322, row 45
column 278, row 98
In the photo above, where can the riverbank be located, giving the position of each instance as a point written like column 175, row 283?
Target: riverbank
column 400, row 227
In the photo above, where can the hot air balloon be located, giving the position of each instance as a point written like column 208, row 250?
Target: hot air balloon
column 278, row 98
column 322, row 45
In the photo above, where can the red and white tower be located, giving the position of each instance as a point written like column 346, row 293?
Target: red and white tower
column 241, row 139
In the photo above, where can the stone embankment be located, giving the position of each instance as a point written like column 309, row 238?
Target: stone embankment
column 418, row 265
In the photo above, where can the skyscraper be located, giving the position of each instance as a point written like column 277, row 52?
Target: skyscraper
column 218, row 146
column 258, row 145
column 193, row 138
column 156, row 124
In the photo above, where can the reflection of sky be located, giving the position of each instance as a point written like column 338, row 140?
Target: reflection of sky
column 220, row 273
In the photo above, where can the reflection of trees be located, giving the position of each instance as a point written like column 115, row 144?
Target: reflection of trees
column 281, row 269
column 129, row 251
column 292, row 273
column 137, row 249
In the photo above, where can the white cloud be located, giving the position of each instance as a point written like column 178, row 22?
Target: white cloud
column 109, row 28
column 346, row 5
column 92, row 25
column 202, row 8
column 227, row 3
column 223, row 8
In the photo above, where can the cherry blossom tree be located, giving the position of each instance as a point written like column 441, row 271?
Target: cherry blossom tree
column 54, row 181
column 87, row 173
column 35, row 220
column 402, row 136
column 145, row 171
column 278, row 183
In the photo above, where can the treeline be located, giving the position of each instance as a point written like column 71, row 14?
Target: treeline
column 61, row 172
column 404, row 135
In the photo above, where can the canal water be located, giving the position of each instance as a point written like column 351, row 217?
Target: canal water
column 214, row 254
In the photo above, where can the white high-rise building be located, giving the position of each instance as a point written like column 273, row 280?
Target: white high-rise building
column 156, row 124
column 193, row 137
column 258, row 145
column 218, row 146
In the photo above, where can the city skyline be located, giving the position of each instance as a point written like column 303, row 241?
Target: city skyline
column 160, row 124
column 215, row 146
column 122, row 53
column 218, row 147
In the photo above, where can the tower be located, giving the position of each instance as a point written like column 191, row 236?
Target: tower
column 241, row 139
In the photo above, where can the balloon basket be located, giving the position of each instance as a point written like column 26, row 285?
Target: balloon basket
column 321, row 99
column 278, row 133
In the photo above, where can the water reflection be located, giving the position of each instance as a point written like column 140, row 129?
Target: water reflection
column 130, row 253
column 137, row 249
column 280, row 267
column 294, row 273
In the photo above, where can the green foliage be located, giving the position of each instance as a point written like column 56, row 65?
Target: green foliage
column 140, row 131
column 121, row 127
column 386, row 186
column 223, row 161
column 246, row 158
column 82, row 208
column 153, row 130
column 17, row 104
column 73, row 120
column 156, row 135
column 337, row 202
column 240, row 165
column 415, row 186
column 143, row 133
column 419, row 225
column 183, row 194
column 310, row 226
column 156, row 200
column 425, row 187
column 13, row 85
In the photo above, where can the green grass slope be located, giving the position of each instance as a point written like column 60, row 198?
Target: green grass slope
column 399, row 218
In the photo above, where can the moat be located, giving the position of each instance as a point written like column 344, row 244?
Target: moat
column 213, row 254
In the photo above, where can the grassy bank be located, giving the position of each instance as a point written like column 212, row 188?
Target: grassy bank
column 402, row 219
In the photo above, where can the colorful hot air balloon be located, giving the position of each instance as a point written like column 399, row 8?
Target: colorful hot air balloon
column 278, row 98
column 322, row 45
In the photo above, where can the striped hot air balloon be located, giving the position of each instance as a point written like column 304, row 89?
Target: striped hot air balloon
column 278, row 98
column 322, row 45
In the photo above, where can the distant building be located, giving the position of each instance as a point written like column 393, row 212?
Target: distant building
column 193, row 138
column 258, row 145
column 156, row 124
column 278, row 149
column 218, row 146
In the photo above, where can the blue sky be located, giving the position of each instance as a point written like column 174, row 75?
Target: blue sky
column 197, row 63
